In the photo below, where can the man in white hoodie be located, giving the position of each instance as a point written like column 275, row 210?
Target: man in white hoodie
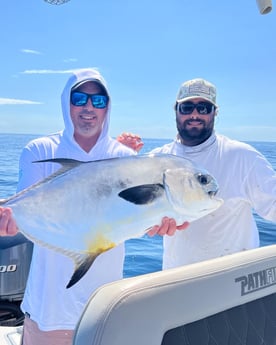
column 51, row 310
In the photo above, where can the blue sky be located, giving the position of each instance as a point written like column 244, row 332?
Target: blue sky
column 145, row 49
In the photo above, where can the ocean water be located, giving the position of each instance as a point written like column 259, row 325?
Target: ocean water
column 143, row 255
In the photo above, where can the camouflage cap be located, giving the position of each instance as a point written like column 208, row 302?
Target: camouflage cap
column 196, row 88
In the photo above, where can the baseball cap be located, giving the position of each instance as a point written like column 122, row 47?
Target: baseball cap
column 196, row 88
column 76, row 86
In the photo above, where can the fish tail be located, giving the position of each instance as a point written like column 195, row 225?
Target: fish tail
column 82, row 266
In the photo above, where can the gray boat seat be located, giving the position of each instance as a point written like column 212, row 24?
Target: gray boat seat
column 226, row 301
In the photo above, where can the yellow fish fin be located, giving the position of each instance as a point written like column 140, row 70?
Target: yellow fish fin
column 84, row 261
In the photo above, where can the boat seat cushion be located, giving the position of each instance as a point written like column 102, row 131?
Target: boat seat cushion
column 228, row 300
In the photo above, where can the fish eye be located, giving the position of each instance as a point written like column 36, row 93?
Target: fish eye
column 203, row 178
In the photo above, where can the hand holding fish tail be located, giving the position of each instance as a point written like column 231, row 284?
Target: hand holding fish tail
column 8, row 225
column 167, row 227
column 131, row 140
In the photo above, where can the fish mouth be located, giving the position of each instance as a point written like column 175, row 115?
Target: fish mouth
column 212, row 193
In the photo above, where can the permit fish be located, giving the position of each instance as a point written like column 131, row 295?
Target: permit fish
column 87, row 208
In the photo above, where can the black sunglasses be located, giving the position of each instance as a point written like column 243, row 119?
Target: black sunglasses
column 80, row 99
column 203, row 108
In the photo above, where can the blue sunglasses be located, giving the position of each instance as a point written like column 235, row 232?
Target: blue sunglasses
column 80, row 99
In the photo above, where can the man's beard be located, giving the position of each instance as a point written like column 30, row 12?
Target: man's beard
column 193, row 135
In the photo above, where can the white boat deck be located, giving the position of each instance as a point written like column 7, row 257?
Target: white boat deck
column 10, row 335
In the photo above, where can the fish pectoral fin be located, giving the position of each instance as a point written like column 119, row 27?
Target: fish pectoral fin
column 143, row 194
column 82, row 265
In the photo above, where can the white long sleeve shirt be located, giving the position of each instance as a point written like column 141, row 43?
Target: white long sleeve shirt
column 46, row 298
column 246, row 182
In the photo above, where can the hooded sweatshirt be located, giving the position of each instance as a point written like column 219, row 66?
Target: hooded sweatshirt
column 46, row 298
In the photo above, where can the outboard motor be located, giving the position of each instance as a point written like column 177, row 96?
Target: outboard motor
column 15, row 258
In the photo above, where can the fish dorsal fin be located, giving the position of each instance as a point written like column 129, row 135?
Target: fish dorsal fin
column 143, row 194
column 67, row 164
